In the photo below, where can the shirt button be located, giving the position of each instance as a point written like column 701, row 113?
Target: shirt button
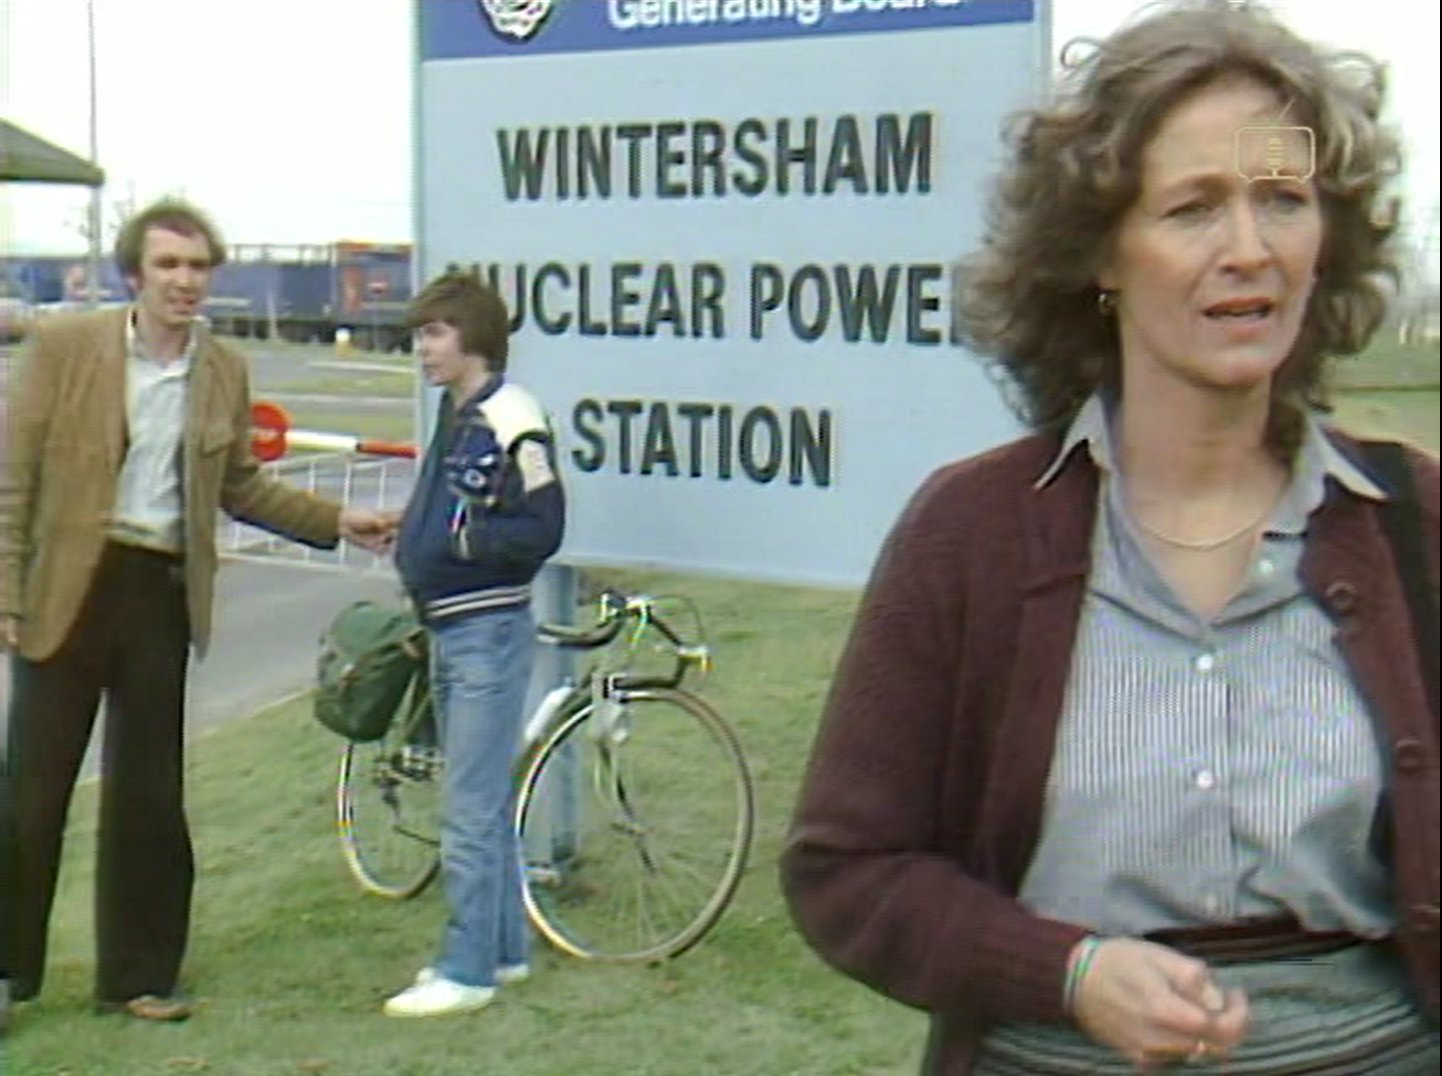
column 1206, row 662
column 1212, row 904
column 1410, row 756
column 1206, row 780
column 1341, row 596
column 1265, row 567
column 1424, row 919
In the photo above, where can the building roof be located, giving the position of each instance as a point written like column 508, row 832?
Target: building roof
column 28, row 158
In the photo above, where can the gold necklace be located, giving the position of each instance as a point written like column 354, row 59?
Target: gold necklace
column 1207, row 543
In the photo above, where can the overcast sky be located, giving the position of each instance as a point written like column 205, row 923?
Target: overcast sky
column 290, row 119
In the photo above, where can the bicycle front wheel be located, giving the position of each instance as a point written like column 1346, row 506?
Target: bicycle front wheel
column 388, row 811
column 636, row 818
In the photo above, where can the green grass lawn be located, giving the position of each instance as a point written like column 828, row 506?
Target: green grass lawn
column 1390, row 388
column 1389, row 364
column 291, row 962
column 357, row 383
column 1411, row 415
column 392, row 424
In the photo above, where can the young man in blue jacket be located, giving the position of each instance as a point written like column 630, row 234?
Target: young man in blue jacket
column 486, row 512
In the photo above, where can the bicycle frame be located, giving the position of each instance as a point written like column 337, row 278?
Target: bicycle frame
column 595, row 685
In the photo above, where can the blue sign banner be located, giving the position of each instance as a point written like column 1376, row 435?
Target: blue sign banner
column 465, row 29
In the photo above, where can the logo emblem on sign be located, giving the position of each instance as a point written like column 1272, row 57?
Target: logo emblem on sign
column 516, row 19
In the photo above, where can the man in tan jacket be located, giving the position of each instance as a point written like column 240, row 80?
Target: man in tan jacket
column 128, row 430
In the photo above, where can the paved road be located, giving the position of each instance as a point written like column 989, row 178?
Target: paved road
column 268, row 618
column 271, row 366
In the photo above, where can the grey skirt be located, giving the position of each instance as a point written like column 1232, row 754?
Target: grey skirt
column 1340, row 1014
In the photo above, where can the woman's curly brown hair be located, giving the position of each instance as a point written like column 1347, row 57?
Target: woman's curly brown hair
column 1029, row 298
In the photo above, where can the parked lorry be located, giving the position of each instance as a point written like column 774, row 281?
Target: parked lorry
column 309, row 292
column 298, row 292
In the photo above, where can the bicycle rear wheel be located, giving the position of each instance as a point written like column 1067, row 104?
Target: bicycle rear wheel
column 388, row 809
column 656, row 812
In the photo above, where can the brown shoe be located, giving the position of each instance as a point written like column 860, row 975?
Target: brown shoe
column 150, row 1007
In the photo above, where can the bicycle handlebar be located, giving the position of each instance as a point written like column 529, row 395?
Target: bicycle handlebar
column 616, row 609
column 579, row 638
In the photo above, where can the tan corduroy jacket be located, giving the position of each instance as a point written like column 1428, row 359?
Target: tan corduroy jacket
column 65, row 441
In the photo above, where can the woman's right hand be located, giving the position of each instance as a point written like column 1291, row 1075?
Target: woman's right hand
column 9, row 633
column 1154, row 1005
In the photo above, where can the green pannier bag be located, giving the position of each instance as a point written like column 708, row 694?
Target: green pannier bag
column 368, row 657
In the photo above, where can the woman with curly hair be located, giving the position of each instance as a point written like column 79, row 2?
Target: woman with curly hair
column 1130, row 759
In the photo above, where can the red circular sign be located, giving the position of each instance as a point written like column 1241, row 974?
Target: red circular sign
column 269, row 423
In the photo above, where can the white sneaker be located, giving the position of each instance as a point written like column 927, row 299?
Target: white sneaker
column 506, row 975
column 439, row 997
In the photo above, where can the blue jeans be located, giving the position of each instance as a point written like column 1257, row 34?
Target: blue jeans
column 481, row 666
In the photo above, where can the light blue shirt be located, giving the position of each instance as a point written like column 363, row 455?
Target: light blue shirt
column 149, row 501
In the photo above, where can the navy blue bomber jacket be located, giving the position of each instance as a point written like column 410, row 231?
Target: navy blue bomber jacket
column 487, row 508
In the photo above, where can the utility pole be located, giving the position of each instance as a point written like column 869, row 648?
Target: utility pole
column 93, row 273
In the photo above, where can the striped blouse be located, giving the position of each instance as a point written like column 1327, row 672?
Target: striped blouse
column 1210, row 771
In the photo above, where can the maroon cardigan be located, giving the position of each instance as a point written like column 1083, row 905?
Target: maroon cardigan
column 923, row 799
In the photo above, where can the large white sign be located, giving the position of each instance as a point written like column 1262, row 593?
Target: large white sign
column 725, row 230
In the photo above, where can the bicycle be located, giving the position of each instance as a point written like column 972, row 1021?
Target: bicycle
column 634, row 807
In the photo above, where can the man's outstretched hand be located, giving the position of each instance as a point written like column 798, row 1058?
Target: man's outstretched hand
column 370, row 529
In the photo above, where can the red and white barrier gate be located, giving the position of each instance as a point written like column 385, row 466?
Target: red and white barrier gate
column 351, row 470
column 271, row 437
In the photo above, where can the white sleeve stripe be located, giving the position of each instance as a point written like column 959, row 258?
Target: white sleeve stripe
column 534, row 462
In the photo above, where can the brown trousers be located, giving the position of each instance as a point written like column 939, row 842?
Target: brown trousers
column 130, row 645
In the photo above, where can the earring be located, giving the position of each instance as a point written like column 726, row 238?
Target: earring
column 1106, row 302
